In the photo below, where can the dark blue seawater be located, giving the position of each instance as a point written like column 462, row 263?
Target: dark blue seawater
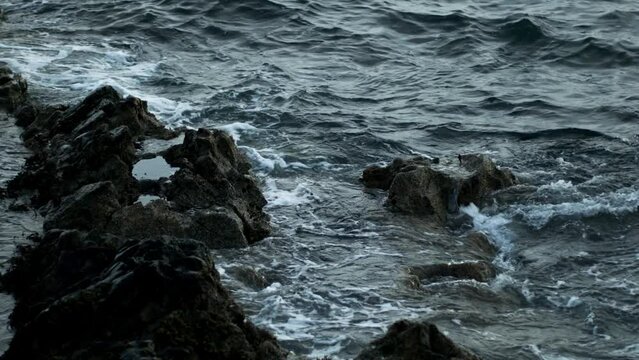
column 315, row 91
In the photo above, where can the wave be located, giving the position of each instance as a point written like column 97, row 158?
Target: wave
column 618, row 203
column 411, row 23
column 593, row 52
column 455, row 130
column 524, row 30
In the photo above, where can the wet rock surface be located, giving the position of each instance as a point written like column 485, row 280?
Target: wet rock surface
column 213, row 171
column 114, row 279
column 162, row 297
column 407, row 340
column 435, row 189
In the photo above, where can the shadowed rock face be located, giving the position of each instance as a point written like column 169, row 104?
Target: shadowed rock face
column 217, row 227
column 91, row 142
column 112, row 278
column 406, row 340
column 88, row 208
column 161, row 298
column 433, row 188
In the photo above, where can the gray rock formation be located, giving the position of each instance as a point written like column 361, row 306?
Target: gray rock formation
column 407, row 340
column 432, row 188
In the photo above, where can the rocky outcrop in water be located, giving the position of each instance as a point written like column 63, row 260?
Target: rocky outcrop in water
column 437, row 188
column 212, row 173
column 114, row 279
column 407, row 340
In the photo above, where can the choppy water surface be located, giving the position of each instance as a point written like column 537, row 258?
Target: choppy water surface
column 314, row 91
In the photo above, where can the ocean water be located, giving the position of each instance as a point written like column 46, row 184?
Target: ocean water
column 315, row 91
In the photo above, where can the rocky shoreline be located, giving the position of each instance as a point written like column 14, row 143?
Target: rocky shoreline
column 114, row 277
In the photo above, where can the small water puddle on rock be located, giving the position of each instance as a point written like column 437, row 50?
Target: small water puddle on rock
column 153, row 169
column 146, row 199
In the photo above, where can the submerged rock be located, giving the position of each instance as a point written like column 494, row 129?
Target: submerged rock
column 89, row 208
column 471, row 270
column 424, row 187
column 408, row 340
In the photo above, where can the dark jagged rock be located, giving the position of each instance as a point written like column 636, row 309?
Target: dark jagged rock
column 215, row 172
column 89, row 142
column 382, row 177
column 424, row 187
column 68, row 163
column 471, row 270
column 52, row 267
column 407, row 340
column 484, row 178
column 88, row 208
column 161, row 298
column 13, row 89
column 111, row 278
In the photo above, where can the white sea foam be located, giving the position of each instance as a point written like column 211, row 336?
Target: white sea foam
column 544, row 356
column 276, row 196
column 236, row 129
column 616, row 203
column 573, row 302
column 496, row 228
column 79, row 69
column 629, row 351
column 268, row 160
column 559, row 185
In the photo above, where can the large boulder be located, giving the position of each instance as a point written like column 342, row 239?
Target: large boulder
column 89, row 208
column 214, row 172
column 69, row 163
column 162, row 299
column 92, row 141
column 115, row 279
column 217, row 227
column 437, row 188
column 407, row 340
